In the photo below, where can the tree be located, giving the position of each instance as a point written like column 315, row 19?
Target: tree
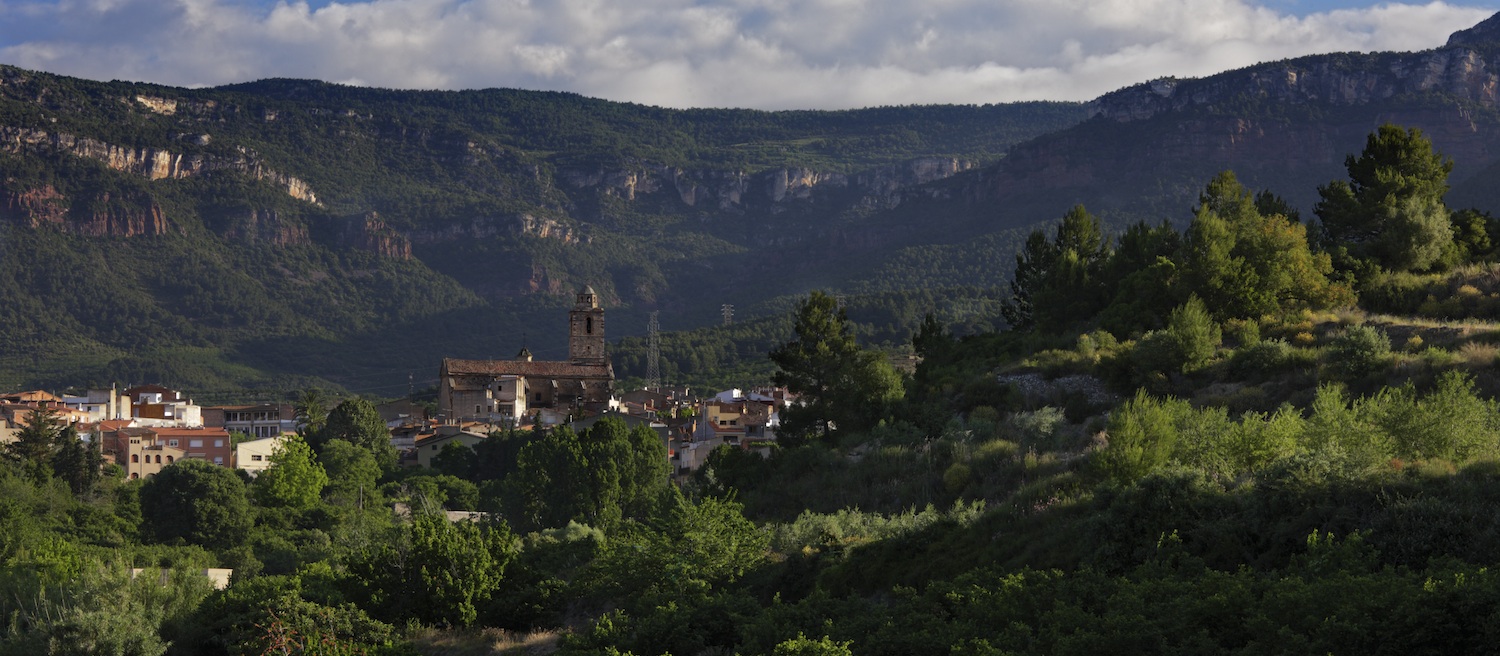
column 356, row 421
column 550, row 485
column 435, row 571
column 352, row 472
column 35, row 443
column 1246, row 264
column 312, row 413
column 79, row 463
column 1391, row 209
column 1057, row 283
column 294, row 478
column 838, row 384
column 456, row 459
column 195, row 502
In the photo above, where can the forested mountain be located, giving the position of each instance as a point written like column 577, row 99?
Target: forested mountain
column 284, row 233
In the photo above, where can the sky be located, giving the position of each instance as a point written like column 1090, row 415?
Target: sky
column 764, row 54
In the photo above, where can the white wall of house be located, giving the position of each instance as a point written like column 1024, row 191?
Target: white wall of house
column 254, row 456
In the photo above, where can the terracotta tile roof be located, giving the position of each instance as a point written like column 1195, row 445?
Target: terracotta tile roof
column 190, row 432
column 454, row 367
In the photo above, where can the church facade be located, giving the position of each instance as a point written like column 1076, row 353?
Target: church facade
column 509, row 391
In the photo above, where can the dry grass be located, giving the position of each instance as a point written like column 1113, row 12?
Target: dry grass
column 1474, row 354
column 484, row 642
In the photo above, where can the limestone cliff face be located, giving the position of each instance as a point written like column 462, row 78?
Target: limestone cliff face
column 368, row 232
column 1460, row 72
column 490, row 227
column 150, row 163
column 772, row 189
column 266, row 226
column 101, row 216
column 1286, row 126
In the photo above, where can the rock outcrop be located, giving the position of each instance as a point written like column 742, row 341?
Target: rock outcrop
column 266, row 226
column 100, row 216
column 150, row 163
column 367, row 232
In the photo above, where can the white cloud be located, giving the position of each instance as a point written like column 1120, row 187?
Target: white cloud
column 750, row 53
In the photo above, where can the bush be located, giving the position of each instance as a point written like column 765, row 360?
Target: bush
column 1359, row 352
column 1198, row 336
column 1261, row 360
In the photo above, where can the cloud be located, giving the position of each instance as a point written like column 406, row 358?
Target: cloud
column 771, row 54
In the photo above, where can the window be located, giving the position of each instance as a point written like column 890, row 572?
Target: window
column 588, row 325
column 256, row 458
column 218, row 460
column 195, row 444
column 218, row 444
column 171, row 442
column 135, row 475
column 169, row 460
column 476, row 410
column 158, row 460
column 135, row 457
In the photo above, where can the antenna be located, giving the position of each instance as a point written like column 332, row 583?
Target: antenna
column 653, row 353
column 728, row 311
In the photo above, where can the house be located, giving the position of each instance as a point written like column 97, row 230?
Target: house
column 142, row 451
column 100, row 404
column 401, row 411
column 254, row 456
column 154, row 405
column 510, row 392
column 257, row 421
column 431, row 446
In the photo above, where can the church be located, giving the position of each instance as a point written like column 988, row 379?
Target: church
column 509, row 391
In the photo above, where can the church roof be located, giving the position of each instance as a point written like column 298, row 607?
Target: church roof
column 538, row 369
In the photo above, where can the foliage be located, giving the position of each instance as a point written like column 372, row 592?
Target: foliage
column 357, row 422
column 838, row 384
column 1391, row 209
column 294, row 479
column 1360, row 351
column 434, row 570
column 195, row 502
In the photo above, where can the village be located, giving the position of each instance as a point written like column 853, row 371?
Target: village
column 144, row 428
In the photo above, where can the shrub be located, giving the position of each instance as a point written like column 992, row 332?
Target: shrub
column 1198, row 336
column 1360, row 351
column 1263, row 359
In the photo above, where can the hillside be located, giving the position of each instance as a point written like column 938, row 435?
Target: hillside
column 275, row 234
column 238, row 231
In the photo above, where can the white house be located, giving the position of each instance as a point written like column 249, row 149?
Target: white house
column 254, row 456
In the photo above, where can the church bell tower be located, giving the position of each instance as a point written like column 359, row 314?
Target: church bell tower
column 586, row 330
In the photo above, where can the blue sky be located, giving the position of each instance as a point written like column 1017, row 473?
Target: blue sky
column 770, row 54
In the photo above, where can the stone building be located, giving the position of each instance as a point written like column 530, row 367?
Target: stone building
column 508, row 392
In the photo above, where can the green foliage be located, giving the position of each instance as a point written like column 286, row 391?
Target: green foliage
column 1196, row 333
column 195, row 502
column 1391, row 209
column 294, row 479
column 352, row 473
column 1058, row 283
column 1245, row 264
column 805, row 646
column 1360, row 351
column 104, row 610
column 838, row 383
column 434, row 571
column 357, row 422
column 1142, row 437
column 36, row 442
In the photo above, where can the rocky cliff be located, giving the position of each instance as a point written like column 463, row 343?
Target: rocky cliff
column 103, row 215
column 1284, row 125
column 150, row 163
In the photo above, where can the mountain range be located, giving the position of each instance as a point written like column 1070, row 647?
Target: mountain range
column 249, row 239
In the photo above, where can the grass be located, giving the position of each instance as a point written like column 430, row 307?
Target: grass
column 483, row 642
